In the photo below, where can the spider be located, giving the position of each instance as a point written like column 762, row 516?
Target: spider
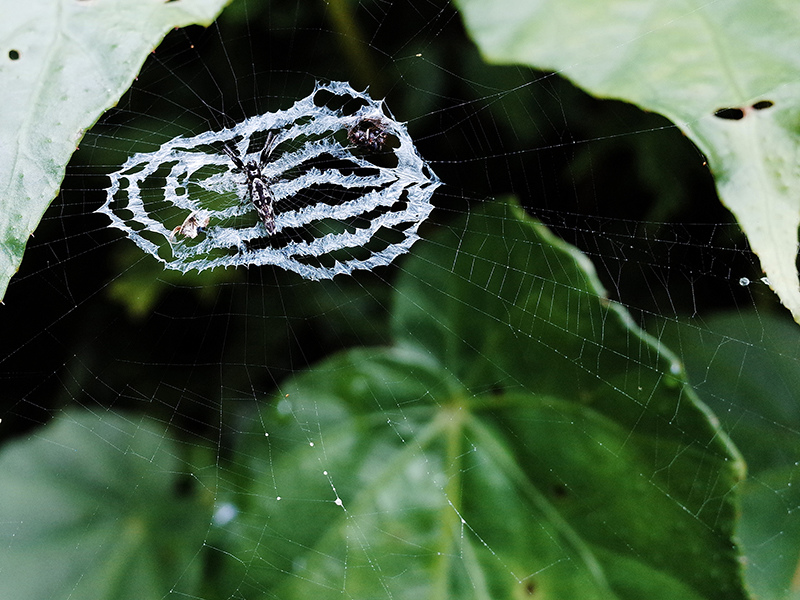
column 368, row 133
column 257, row 185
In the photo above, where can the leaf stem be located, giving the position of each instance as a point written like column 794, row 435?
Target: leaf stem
column 452, row 420
column 344, row 23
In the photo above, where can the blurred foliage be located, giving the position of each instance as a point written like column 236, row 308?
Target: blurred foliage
column 102, row 500
column 90, row 322
column 487, row 130
column 479, row 455
column 746, row 367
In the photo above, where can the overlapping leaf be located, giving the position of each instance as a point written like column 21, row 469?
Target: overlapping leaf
column 66, row 63
column 521, row 438
column 726, row 72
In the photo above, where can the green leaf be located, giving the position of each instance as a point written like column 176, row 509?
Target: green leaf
column 687, row 61
column 64, row 63
column 521, row 439
column 142, row 281
column 770, row 533
column 92, row 507
column 747, row 367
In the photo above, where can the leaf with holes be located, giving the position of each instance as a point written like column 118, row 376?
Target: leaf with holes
column 69, row 62
column 727, row 73
column 522, row 438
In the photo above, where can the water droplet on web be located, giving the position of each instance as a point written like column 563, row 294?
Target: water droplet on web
column 224, row 514
column 744, row 282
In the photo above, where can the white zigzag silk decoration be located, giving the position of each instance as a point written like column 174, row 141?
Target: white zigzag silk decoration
column 331, row 185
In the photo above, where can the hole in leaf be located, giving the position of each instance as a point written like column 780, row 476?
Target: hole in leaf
column 732, row 114
column 762, row 104
column 13, row 54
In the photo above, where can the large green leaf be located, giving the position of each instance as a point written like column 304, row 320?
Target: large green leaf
column 92, row 507
column 521, row 439
column 746, row 365
column 686, row 60
column 64, row 64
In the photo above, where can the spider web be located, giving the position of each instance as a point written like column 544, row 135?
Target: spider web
column 394, row 196
column 420, row 427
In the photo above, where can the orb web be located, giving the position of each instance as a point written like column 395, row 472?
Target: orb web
column 346, row 184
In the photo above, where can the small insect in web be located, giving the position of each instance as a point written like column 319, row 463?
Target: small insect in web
column 257, row 185
column 368, row 133
column 194, row 224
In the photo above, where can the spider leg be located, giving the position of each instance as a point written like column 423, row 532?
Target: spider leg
column 233, row 155
column 269, row 146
